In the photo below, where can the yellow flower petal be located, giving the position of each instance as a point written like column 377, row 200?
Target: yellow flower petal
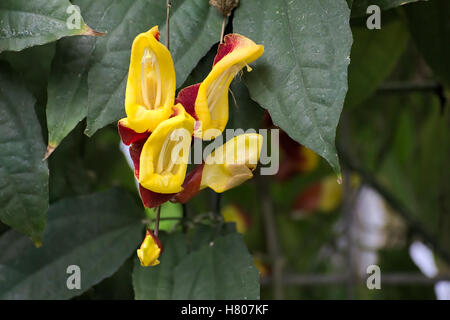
column 165, row 154
column 150, row 250
column 211, row 105
column 232, row 163
column 150, row 92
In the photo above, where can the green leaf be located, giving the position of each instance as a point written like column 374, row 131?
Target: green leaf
column 244, row 112
column 350, row 3
column 375, row 54
column 204, row 234
column 25, row 23
column 302, row 77
column 430, row 28
column 152, row 283
column 221, row 270
column 194, row 28
column 23, row 174
column 97, row 232
column 359, row 7
column 68, row 89
column 33, row 65
column 69, row 174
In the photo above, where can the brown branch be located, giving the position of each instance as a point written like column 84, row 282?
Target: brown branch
column 333, row 279
column 272, row 239
column 408, row 87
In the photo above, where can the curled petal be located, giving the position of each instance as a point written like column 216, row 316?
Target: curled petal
column 135, row 154
column 187, row 97
column 149, row 198
column 127, row 134
column 151, row 83
column 232, row 163
column 164, row 156
column 211, row 104
column 150, row 250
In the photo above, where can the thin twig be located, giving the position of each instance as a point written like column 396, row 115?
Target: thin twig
column 224, row 19
column 333, row 279
column 408, row 87
column 272, row 240
column 168, row 5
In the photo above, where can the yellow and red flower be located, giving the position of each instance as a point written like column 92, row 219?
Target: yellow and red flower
column 226, row 167
column 150, row 92
column 150, row 250
column 159, row 129
column 208, row 101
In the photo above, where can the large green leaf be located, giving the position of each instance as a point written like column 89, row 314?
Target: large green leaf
column 223, row 269
column 244, row 113
column 67, row 88
column 23, row 174
column 302, row 77
column 152, row 283
column 359, row 7
column 375, row 54
column 25, row 23
column 195, row 27
column 430, row 27
column 33, row 65
column 97, row 232
column 69, row 174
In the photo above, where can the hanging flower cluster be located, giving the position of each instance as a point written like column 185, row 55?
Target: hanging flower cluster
column 160, row 128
